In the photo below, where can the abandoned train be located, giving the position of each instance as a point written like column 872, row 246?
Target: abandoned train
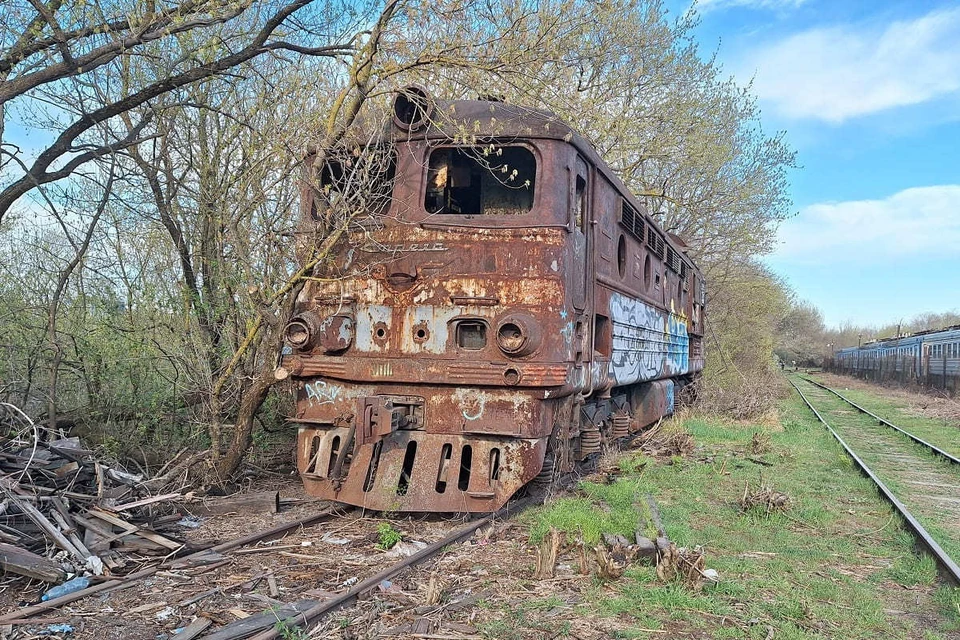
column 514, row 310
column 929, row 358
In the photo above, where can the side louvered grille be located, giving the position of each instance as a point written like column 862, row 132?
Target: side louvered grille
column 655, row 242
column 632, row 221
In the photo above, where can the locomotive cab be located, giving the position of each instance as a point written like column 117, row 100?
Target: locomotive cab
column 485, row 331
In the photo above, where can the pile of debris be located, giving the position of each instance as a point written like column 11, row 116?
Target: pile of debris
column 62, row 511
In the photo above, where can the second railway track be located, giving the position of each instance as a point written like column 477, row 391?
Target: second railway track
column 920, row 480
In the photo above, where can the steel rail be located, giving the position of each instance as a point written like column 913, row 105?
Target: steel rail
column 323, row 608
column 853, row 404
column 942, row 558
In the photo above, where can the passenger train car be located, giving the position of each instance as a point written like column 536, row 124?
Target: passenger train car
column 928, row 358
column 514, row 310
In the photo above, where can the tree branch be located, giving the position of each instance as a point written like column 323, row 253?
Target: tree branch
column 39, row 173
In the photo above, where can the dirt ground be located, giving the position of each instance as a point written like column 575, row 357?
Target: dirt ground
column 483, row 588
column 310, row 562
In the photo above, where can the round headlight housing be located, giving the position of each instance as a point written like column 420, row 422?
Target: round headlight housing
column 518, row 335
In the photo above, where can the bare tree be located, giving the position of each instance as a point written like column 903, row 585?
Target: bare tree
column 60, row 46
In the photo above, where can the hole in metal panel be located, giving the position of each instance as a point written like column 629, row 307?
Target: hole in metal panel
column 466, row 459
column 445, row 454
column 407, row 470
column 312, row 460
column 372, row 469
column 494, row 464
column 334, row 451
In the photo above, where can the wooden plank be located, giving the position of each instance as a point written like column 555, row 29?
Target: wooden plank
column 260, row 502
column 41, row 521
column 24, row 563
column 194, row 629
column 141, row 503
column 247, row 626
column 146, row 534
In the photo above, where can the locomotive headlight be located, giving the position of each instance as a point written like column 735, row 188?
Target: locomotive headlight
column 307, row 330
column 301, row 332
column 518, row 335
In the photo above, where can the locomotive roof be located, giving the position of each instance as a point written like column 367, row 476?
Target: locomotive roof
column 490, row 119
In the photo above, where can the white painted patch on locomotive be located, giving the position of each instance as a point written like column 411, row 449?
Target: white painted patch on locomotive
column 647, row 343
column 434, row 320
column 367, row 319
column 472, row 402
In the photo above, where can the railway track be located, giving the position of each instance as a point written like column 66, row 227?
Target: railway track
column 921, row 481
column 302, row 613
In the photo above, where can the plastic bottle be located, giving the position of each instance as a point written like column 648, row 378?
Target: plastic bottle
column 67, row 587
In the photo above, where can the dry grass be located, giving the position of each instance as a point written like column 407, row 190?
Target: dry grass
column 764, row 499
column 759, row 443
column 741, row 397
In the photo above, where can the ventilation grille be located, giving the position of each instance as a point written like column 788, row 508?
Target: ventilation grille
column 673, row 260
column 632, row 221
column 655, row 242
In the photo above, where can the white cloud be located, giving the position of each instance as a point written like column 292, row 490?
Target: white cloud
column 841, row 72
column 916, row 223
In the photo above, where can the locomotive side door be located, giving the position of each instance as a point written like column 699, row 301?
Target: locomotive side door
column 579, row 205
column 581, row 275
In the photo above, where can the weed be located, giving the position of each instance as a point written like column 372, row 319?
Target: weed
column 288, row 631
column 633, row 464
column 388, row 536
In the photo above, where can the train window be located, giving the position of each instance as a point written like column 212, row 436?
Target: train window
column 487, row 180
column 580, row 200
column 365, row 184
column 622, row 255
column 471, row 334
column 647, row 272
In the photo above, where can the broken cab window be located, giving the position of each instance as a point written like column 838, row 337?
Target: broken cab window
column 362, row 181
column 482, row 180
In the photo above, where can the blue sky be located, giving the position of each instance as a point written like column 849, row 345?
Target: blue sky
column 869, row 95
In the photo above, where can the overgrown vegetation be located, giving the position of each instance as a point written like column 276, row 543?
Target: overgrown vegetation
column 144, row 283
column 835, row 563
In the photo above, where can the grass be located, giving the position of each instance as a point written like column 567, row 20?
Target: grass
column 939, row 432
column 617, row 508
column 832, row 565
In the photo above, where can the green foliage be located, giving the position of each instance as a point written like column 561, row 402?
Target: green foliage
column 288, row 631
column 388, row 536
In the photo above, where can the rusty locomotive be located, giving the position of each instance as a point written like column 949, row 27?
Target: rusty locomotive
column 515, row 310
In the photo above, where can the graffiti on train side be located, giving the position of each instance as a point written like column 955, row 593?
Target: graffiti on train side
column 647, row 343
column 319, row 392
